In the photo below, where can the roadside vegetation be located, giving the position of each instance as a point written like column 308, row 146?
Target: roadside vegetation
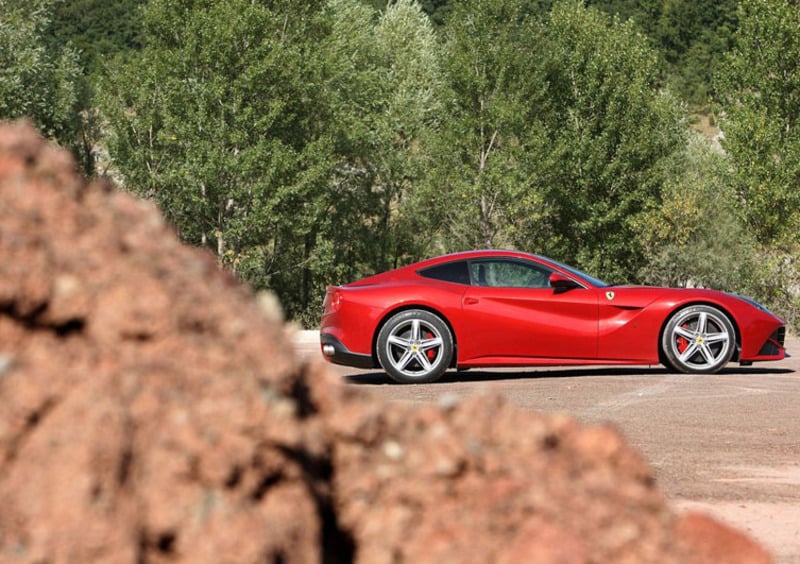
column 313, row 142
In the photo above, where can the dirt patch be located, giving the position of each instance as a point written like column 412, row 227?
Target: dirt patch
column 776, row 524
column 151, row 412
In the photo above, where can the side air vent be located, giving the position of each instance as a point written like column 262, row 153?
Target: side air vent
column 771, row 346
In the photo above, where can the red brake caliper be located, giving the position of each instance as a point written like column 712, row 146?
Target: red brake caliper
column 682, row 342
column 430, row 353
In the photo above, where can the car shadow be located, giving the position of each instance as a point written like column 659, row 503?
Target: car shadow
column 482, row 375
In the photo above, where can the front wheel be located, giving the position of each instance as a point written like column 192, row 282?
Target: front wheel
column 698, row 340
column 415, row 346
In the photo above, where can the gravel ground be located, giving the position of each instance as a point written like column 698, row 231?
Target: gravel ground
column 726, row 444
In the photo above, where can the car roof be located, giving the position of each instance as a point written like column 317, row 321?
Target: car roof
column 477, row 254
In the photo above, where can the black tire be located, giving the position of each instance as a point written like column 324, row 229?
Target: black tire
column 698, row 340
column 415, row 346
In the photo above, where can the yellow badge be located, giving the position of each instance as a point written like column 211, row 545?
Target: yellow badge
column 610, row 295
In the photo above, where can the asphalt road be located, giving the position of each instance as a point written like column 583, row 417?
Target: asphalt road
column 727, row 444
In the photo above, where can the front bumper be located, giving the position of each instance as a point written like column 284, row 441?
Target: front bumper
column 771, row 349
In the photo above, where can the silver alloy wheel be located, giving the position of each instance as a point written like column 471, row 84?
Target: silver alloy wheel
column 699, row 339
column 415, row 346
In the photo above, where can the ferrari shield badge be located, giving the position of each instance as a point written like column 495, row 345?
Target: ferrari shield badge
column 610, row 295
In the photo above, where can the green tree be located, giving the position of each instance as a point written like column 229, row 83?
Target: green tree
column 97, row 29
column 380, row 80
column 694, row 36
column 490, row 54
column 437, row 10
column 698, row 235
column 37, row 80
column 690, row 35
column 559, row 135
column 759, row 92
column 220, row 120
column 408, row 112
column 283, row 136
column 607, row 132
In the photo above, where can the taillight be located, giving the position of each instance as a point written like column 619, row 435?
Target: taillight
column 333, row 299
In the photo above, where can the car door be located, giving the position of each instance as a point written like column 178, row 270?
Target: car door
column 511, row 311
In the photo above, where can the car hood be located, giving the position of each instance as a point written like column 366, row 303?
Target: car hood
column 642, row 296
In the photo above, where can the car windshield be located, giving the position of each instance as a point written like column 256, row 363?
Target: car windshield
column 582, row 275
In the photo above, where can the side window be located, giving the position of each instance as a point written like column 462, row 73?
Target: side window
column 456, row 272
column 509, row 274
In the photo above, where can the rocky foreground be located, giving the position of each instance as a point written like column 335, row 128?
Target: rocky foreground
column 150, row 411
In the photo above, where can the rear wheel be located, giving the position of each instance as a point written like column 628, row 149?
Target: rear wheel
column 415, row 346
column 698, row 340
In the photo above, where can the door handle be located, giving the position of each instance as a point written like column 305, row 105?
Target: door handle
column 471, row 301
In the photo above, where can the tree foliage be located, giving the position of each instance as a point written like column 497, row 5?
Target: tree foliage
column 37, row 81
column 97, row 29
column 489, row 52
column 313, row 142
column 215, row 120
column 559, row 132
column 760, row 93
column 276, row 133
column 402, row 95
column 609, row 132
column 698, row 235
column 759, row 89
column 690, row 35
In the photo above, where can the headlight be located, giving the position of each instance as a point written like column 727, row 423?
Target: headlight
column 753, row 303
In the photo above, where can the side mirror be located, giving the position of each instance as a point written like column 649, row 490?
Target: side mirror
column 561, row 283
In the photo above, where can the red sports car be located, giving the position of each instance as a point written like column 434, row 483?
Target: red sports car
column 506, row 308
